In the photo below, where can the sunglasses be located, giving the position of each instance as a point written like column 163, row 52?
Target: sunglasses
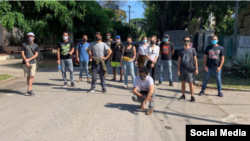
column 186, row 41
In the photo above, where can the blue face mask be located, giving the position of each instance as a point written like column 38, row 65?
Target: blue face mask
column 165, row 39
column 144, row 41
column 214, row 42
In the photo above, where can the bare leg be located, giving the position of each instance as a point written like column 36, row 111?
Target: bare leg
column 183, row 87
column 28, row 80
column 191, row 87
column 114, row 73
column 31, row 78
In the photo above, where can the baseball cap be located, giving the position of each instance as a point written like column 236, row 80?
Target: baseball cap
column 31, row 34
column 166, row 35
column 118, row 37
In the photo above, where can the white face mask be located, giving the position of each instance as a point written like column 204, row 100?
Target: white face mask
column 117, row 40
column 65, row 37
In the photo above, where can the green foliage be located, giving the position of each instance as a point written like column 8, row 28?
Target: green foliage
column 241, row 64
column 47, row 17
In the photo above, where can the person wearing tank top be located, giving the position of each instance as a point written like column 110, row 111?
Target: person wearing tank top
column 142, row 52
column 152, row 56
column 127, row 61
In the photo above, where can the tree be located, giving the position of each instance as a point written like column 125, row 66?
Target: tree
column 173, row 15
column 47, row 17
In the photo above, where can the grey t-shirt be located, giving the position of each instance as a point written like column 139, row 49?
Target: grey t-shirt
column 187, row 58
column 98, row 49
column 27, row 53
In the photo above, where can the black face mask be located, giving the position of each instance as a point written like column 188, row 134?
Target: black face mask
column 143, row 78
column 97, row 38
column 84, row 40
column 129, row 43
column 152, row 42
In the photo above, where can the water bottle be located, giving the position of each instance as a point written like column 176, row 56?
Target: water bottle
column 59, row 68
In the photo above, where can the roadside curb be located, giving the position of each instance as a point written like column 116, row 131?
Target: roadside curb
column 223, row 88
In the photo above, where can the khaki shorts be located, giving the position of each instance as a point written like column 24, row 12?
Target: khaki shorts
column 29, row 71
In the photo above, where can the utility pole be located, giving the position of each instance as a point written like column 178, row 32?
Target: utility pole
column 129, row 14
column 189, row 19
column 235, row 27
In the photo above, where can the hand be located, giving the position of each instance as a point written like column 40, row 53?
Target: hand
column 152, row 65
column 27, row 60
column 179, row 73
column 104, row 58
column 132, row 60
column 218, row 69
column 28, row 64
column 196, row 72
column 58, row 62
column 136, row 63
column 154, row 62
column 205, row 68
column 70, row 53
column 77, row 59
column 120, row 64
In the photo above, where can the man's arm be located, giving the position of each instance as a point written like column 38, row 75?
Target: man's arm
column 150, row 93
column 196, row 64
column 72, row 50
column 179, row 64
column 135, row 92
column 58, row 55
column 172, row 48
column 221, row 63
column 110, row 52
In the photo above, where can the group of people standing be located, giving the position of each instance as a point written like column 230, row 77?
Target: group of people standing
column 93, row 57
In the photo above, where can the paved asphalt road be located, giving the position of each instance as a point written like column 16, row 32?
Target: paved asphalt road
column 71, row 114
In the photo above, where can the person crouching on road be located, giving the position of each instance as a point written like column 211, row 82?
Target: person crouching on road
column 187, row 66
column 96, row 51
column 146, row 86
column 65, row 49
column 116, row 57
column 83, row 57
column 29, row 52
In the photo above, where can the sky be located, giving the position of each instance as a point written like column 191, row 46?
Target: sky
column 136, row 10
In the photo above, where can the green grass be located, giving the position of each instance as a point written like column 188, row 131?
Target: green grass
column 5, row 76
column 237, row 83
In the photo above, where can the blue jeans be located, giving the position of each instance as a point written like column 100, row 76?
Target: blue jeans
column 166, row 64
column 84, row 65
column 128, row 66
column 217, row 77
column 67, row 63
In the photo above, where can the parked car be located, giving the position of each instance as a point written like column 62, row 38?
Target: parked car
column 75, row 62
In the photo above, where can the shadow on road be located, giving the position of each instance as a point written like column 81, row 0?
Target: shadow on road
column 125, row 107
column 46, row 84
column 12, row 92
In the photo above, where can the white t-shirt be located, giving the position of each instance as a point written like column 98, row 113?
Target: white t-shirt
column 152, row 53
column 143, row 85
column 143, row 50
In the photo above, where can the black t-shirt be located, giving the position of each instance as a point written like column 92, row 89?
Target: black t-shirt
column 166, row 50
column 214, row 55
column 28, row 54
column 117, row 51
column 187, row 58
column 65, row 48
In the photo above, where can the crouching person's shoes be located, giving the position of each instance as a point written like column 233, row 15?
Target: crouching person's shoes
column 149, row 112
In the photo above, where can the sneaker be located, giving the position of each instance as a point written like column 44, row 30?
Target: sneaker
column 220, row 94
column 201, row 93
column 192, row 99
column 159, row 83
column 31, row 93
column 65, row 85
column 182, row 97
column 79, row 80
column 104, row 91
column 171, row 84
column 125, row 86
column 91, row 91
column 150, row 111
column 73, row 84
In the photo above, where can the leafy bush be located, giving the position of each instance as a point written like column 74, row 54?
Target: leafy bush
column 241, row 64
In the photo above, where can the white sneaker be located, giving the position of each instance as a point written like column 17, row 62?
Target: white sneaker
column 125, row 86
